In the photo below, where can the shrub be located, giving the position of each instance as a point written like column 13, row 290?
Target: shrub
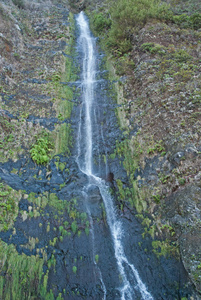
column 101, row 23
column 40, row 151
column 184, row 21
column 19, row 3
column 182, row 181
column 153, row 48
column 181, row 56
column 195, row 20
column 157, row 198
column 61, row 229
column 74, row 226
column 133, row 13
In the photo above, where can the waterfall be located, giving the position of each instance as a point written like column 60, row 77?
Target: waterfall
column 130, row 284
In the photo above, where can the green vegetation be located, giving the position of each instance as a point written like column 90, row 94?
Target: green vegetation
column 186, row 21
column 24, row 275
column 70, row 219
column 165, row 248
column 96, row 258
column 74, row 226
column 40, row 151
column 7, row 139
column 9, row 199
column 64, row 96
column 63, row 139
column 182, row 181
column 127, row 15
column 153, row 48
column 101, row 23
column 156, row 147
column 172, row 63
column 157, row 198
column 19, row 3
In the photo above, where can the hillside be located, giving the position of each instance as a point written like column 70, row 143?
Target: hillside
column 52, row 245
column 154, row 55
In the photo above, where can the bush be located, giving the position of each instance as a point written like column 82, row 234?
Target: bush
column 19, row 3
column 133, row 13
column 181, row 56
column 182, row 181
column 40, row 151
column 101, row 23
column 74, row 226
column 153, row 48
column 195, row 20
column 184, row 21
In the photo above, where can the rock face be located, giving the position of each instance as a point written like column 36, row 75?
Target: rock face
column 183, row 210
column 50, row 246
column 159, row 111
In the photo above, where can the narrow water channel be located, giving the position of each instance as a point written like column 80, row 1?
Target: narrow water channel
column 130, row 284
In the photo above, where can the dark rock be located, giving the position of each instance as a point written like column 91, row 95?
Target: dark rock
column 178, row 157
column 183, row 209
column 110, row 177
column 190, row 152
column 24, row 204
column 93, row 194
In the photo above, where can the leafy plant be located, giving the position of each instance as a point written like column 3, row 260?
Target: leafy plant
column 181, row 56
column 153, row 48
column 157, row 147
column 8, row 206
column 24, row 274
column 164, row 178
column 195, row 20
column 96, row 258
column 185, row 21
column 64, row 139
column 157, row 198
column 101, row 22
column 74, row 226
column 40, row 151
column 164, row 248
column 127, row 15
column 182, row 181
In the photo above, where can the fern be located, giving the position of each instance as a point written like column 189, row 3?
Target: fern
column 40, row 151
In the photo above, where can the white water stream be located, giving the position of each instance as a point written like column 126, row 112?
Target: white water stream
column 130, row 285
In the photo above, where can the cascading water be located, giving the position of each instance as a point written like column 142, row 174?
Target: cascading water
column 131, row 285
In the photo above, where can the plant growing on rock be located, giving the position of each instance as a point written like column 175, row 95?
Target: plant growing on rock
column 40, row 151
column 153, row 48
column 74, row 226
column 101, row 23
column 8, row 206
column 127, row 15
column 185, row 21
column 19, row 3
column 96, row 258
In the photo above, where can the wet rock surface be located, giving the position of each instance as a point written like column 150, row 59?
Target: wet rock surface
column 52, row 222
column 183, row 211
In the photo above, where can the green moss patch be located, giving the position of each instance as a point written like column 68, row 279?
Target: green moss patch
column 9, row 200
